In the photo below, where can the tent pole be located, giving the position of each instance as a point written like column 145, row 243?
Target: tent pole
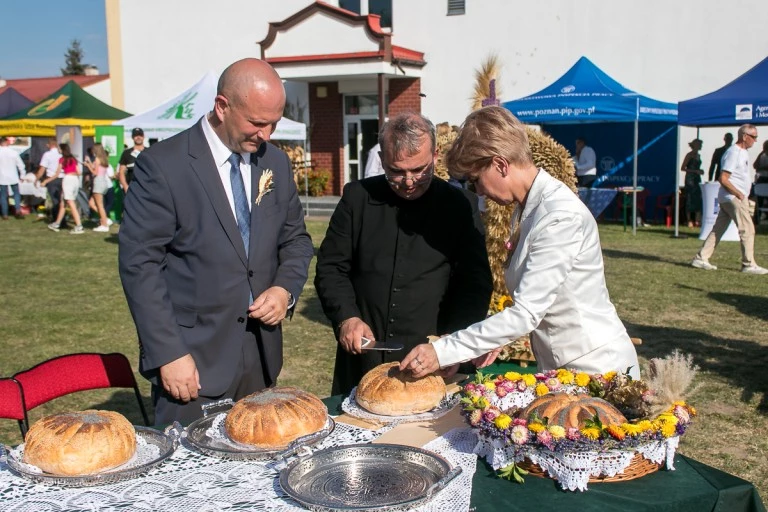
column 677, row 193
column 634, row 170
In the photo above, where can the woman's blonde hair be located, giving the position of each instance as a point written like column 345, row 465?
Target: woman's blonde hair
column 485, row 133
column 101, row 155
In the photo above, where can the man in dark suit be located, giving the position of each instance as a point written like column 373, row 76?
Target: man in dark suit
column 404, row 256
column 213, row 249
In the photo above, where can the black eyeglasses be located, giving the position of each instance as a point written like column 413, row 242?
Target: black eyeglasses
column 399, row 180
column 753, row 135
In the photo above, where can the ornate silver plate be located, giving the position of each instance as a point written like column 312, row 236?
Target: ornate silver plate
column 153, row 447
column 351, row 407
column 366, row 477
column 207, row 435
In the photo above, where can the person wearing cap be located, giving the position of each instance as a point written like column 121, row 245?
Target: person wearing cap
column 128, row 158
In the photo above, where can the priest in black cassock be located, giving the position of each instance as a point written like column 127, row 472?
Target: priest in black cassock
column 404, row 255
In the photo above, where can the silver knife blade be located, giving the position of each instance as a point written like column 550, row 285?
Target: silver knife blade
column 369, row 344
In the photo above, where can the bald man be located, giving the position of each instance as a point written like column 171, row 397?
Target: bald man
column 213, row 250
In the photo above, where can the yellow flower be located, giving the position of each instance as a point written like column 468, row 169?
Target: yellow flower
column 631, row 429
column 557, row 431
column 582, row 379
column 535, row 427
column 609, row 376
column 616, row 432
column 504, row 302
column 678, row 402
column 591, row 433
column 667, row 417
column 541, row 389
column 502, row 421
column 645, row 426
column 529, row 379
column 482, row 403
column 513, row 376
column 692, row 410
column 474, row 399
column 668, row 429
column 565, row 376
column 490, row 386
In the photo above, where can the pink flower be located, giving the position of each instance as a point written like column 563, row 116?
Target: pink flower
column 491, row 414
column 475, row 417
column 682, row 414
column 540, row 376
column 551, row 373
column 519, row 434
column 553, row 383
column 501, row 392
column 509, row 386
column 470, row 388
column 521, row 385
column 545, row 438
column 573, row 434
column 520, row 421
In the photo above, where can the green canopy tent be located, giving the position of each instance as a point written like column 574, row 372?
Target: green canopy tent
column 69, row 106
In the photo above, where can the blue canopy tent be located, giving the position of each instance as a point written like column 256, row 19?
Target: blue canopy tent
column 586, row 94
column 11, row 101
column 744, row 100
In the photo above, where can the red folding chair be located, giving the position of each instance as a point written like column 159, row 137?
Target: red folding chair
column 76, row 372
column 12, row 403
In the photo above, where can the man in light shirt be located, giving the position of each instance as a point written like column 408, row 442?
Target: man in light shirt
column 373, row 165
column 48, row 165
column 585, row 163
column 735, row 184
column 11, row 166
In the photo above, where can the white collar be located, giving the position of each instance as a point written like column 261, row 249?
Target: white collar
column 219, row 151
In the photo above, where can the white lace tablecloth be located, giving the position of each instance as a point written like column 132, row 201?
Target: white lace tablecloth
column 190, row 481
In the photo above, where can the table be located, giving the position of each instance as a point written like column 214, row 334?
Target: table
column 596, row 199
column 693, row 486
column 626, row 202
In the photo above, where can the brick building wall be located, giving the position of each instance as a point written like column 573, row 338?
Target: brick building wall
column 326, row 137
column 404, row 95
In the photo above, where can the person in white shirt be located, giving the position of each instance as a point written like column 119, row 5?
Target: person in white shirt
column 585, row 163
column 46, row 174
column 735, row 184
column 373, row 165
column 11, row 167
column 555, row 267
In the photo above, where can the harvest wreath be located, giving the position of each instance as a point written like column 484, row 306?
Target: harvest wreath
column 577, row 427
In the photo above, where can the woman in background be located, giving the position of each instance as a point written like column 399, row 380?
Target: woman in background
column 693, row 173
column 101, row 183
column 70, row 186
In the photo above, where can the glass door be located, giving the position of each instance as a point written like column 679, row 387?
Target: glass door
column 352, row 146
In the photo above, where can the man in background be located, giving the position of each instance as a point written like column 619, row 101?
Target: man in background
column 11, row 167
column 717, row 157
column 128, row 159
column 585, row 163
column 48, row 165
column 735, row 184
column 373, row 165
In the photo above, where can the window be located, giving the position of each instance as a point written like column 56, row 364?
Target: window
column 381, row 7
column 350, row 5
column 455, row 7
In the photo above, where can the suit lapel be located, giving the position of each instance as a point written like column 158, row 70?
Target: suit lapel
column 207, row 172
column 256, row 170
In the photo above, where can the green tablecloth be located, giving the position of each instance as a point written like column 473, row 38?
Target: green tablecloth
column 693, row 486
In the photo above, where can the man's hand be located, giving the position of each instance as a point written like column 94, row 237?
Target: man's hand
column 486, row 359
column 352, row 329
column 449, row 371
column 421, row 361
column 180, row 378
column 271, row 306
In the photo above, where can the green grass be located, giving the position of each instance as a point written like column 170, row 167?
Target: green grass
column 61, row 293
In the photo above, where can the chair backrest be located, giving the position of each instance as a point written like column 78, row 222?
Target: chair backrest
column 761, row 189
column 11, row 400
column 74, row 372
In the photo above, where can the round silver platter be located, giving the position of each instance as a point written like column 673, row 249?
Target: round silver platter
column 165, row 442
column 197, row 434
column 366, row 477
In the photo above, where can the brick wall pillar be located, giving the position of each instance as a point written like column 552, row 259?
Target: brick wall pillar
column 404, row 95
column 326, row 137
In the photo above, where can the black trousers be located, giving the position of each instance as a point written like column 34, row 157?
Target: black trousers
column 249, row 376
column 585, row 181
column 54, row 190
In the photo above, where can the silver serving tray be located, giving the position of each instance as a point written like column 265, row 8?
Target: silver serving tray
column 366, row 477
column 167, row 442
column 196, row 434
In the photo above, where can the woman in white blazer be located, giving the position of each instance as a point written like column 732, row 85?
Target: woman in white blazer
column 555, row 271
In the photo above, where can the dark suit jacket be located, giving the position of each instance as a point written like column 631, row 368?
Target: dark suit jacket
column 407, row 268
column 183, row 263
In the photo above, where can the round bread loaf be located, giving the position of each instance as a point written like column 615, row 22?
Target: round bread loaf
column 572, row 410
column 274, row 417
column 80, row 443
column 387, row 391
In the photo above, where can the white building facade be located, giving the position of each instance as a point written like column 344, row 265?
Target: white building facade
column 344, row 66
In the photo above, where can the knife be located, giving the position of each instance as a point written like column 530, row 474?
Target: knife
column 369, row 344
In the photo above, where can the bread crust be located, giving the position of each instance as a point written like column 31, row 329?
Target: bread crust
column 274, row 417
column 80, row 443
column 572, row 411
column 387, row 391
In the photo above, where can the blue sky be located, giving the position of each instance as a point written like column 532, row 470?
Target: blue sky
column 35, row 35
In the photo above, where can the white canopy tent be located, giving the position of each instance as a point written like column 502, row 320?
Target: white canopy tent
column 184, row 110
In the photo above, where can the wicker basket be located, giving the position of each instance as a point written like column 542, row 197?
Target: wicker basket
column 639, row 467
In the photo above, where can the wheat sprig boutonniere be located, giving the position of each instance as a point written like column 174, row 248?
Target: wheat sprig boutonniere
column 266, row 185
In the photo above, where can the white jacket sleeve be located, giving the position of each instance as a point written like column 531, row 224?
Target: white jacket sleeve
column 554, row 244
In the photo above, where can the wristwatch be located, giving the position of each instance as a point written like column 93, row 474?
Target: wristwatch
column 291, row 300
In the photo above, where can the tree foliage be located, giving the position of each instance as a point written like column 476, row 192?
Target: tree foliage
column 73, row 60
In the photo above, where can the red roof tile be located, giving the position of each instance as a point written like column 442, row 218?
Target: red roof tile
column 38, row 88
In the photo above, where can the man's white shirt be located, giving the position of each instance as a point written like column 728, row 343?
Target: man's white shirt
column 221, row 154
column 11, row 166
column 586, row 163
column 50, row 161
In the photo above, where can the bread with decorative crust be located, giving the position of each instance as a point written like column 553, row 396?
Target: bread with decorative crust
column 568, row 410
column 80, row 443
column 387, row 391
column 275, row 417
